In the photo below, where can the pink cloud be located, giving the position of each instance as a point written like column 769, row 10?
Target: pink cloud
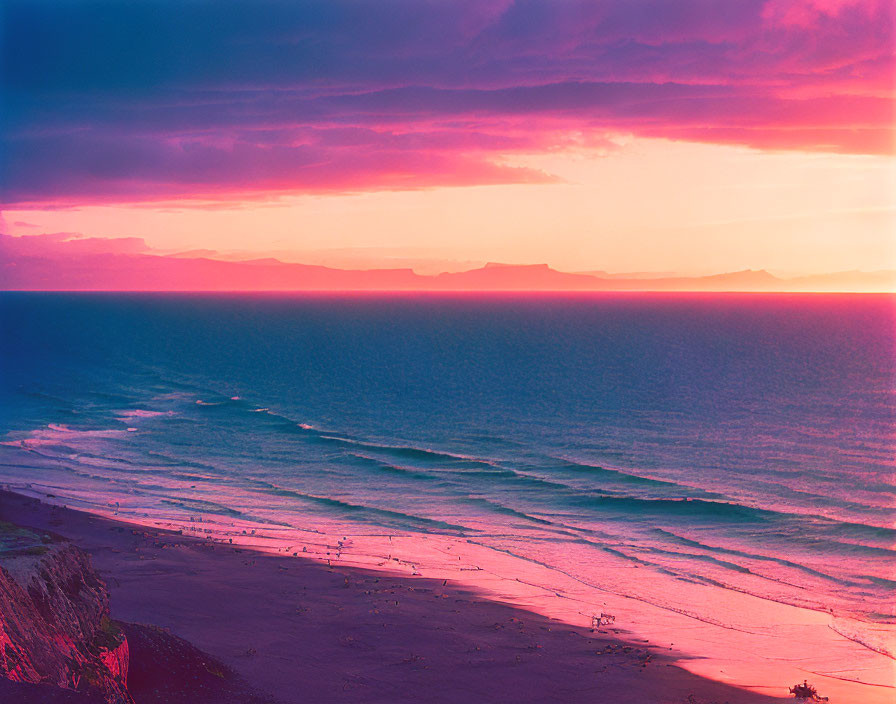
column 808, row 13
column 391, row 95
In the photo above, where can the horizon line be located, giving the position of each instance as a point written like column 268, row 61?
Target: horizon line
column 425, row 291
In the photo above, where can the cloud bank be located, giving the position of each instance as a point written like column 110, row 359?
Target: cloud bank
column 118, row 102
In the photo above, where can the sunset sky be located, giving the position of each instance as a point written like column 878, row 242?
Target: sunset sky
column 690, row 136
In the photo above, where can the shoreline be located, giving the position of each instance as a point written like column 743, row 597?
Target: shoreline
column 299, row 630
column 674, row 645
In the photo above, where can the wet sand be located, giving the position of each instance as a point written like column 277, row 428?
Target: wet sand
column 302, row 631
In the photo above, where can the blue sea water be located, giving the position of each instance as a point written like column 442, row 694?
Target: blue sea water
column 744, row 441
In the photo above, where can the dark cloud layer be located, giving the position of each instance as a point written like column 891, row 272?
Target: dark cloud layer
column 137, row 100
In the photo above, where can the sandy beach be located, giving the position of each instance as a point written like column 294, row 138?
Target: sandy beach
column 297, row 630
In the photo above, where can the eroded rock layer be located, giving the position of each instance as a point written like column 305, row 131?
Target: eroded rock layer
column 54, row 618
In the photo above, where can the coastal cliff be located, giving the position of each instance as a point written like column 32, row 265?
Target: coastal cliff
column 54, row 618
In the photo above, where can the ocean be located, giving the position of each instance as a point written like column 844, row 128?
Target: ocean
column 739, row 441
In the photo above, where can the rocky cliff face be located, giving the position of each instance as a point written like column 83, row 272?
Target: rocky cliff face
column 54, row 618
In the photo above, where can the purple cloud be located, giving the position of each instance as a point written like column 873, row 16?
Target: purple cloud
column 127, row 101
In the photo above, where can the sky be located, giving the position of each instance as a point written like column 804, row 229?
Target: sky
column 688, row 136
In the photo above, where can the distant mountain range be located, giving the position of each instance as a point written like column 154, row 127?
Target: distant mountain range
column 80, row 265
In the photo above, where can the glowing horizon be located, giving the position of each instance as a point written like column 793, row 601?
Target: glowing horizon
column 692, row 138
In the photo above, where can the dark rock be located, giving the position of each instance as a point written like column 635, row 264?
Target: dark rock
column 54, row 619
column 167, row 669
